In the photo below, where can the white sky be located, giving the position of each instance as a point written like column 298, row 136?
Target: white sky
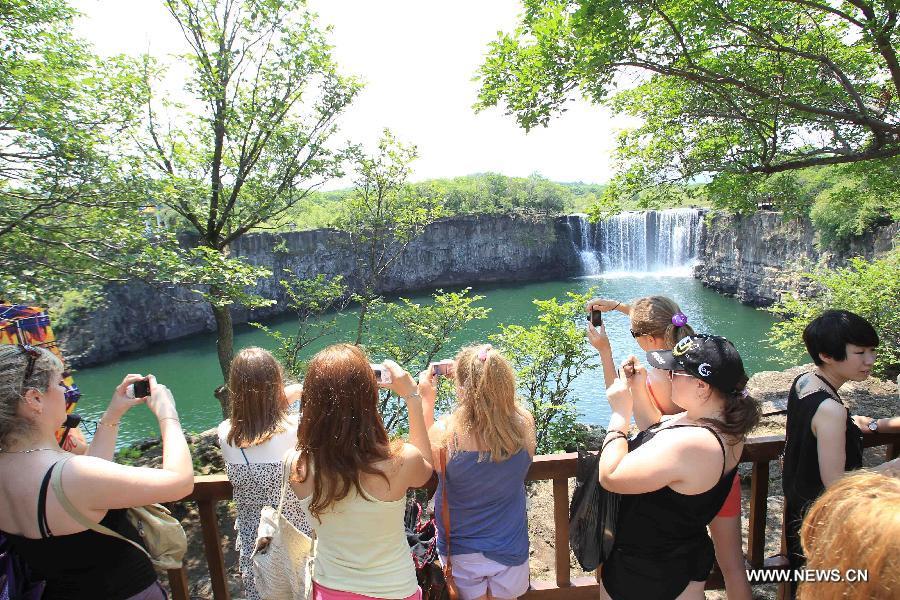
column 417, row 59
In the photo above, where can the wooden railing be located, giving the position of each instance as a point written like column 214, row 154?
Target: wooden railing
column 209, row 490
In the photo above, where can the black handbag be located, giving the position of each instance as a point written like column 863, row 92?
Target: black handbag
column 421, row 534
column 592, row 514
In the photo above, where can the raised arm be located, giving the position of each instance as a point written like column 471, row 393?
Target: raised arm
column 94, row 483
column 646, row 413
column 403, row 385
column 103, row 445
column 600, row 341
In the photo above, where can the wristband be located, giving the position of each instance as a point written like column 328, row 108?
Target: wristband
column 110, row 425
column 616, row 306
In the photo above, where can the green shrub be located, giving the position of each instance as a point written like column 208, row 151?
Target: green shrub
column 869, row 289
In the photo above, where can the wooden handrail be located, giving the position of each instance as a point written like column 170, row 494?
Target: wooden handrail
column 211, row 489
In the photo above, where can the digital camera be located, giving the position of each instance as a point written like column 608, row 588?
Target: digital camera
column 382, row 375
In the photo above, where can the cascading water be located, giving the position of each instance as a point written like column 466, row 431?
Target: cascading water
column 583, row 245
column 637, row 242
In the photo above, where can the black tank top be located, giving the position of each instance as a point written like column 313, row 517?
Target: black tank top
column 661, row 540
column 87, row 565
column 800, row 472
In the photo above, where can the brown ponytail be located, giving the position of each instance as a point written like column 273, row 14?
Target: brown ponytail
column 740, row 413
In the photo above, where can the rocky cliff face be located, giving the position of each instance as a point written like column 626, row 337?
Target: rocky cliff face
column 756, row 258
column 451, row 252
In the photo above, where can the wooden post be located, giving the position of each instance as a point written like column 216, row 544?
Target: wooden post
column 561, row 530
column 212, row 544
column 178, row 584
column 756, row 528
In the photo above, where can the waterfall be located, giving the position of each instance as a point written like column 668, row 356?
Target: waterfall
column 662, row 242
column 583, row 245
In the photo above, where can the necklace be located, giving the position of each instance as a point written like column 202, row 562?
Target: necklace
column 26, row 451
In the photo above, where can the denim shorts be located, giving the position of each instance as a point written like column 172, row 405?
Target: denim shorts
column 475, row 573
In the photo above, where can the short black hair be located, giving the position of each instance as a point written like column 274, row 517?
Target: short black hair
column 830, row 332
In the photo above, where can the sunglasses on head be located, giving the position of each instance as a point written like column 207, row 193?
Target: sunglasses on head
column 636, row 334
column 32, row 353
column 672, row 374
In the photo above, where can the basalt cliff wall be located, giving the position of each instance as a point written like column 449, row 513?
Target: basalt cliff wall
column 452, row 252
column 757, row 258
column 753, row 258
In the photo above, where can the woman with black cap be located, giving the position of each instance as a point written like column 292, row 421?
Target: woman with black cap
column 675, row 474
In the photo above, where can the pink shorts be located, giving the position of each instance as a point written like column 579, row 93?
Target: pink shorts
column 475, row 573
column 320, row 592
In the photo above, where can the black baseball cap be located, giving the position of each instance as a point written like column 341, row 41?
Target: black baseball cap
column 710, row 358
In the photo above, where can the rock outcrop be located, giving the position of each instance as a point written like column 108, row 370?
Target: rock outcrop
column 451, row 252
column 757, row 258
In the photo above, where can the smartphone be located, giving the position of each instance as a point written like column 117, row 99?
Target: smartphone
column 382, row 375
column 596, row 318
column 442, row 368
column 138, row 389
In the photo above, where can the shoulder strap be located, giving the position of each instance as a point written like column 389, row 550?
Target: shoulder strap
column 715, row 435
column 285, row 477
column 56, row 482
column 43, row 525
column 445, row 505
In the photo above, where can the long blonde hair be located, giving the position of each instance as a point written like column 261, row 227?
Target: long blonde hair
column 258, row 404
column 855, row 524
column 488, row 409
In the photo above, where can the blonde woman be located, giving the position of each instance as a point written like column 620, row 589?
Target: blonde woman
column 79, row 563
column 490, row 440
column 854, row 525
column 254, row 440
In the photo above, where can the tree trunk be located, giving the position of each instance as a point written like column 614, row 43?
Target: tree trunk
column 225, row 349
column 363, row 308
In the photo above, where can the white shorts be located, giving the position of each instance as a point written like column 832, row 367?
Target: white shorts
column 475, row 573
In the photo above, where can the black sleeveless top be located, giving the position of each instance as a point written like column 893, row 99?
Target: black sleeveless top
column 802, row 480
column 661, row 540
column 86, row 565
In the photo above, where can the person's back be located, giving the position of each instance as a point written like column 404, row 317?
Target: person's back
column 353, row 480
column 254, row 442
column 489, row 443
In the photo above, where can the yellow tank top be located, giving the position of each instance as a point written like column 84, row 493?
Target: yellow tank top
column 361, row 547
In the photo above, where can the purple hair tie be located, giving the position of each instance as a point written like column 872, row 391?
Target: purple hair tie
column 482, row 354
column 679, row 319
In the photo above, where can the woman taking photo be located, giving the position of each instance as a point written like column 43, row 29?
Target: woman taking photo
column 657, row 323
column 490, row 442
column 254, row 440
column 353, row 479
column 676, row 474
column 75, row 562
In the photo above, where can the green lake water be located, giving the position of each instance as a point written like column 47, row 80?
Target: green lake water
column 190, row 367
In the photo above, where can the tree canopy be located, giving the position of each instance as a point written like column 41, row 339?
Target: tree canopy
column 727, row 90
column 64, row 213
column 254, row 140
